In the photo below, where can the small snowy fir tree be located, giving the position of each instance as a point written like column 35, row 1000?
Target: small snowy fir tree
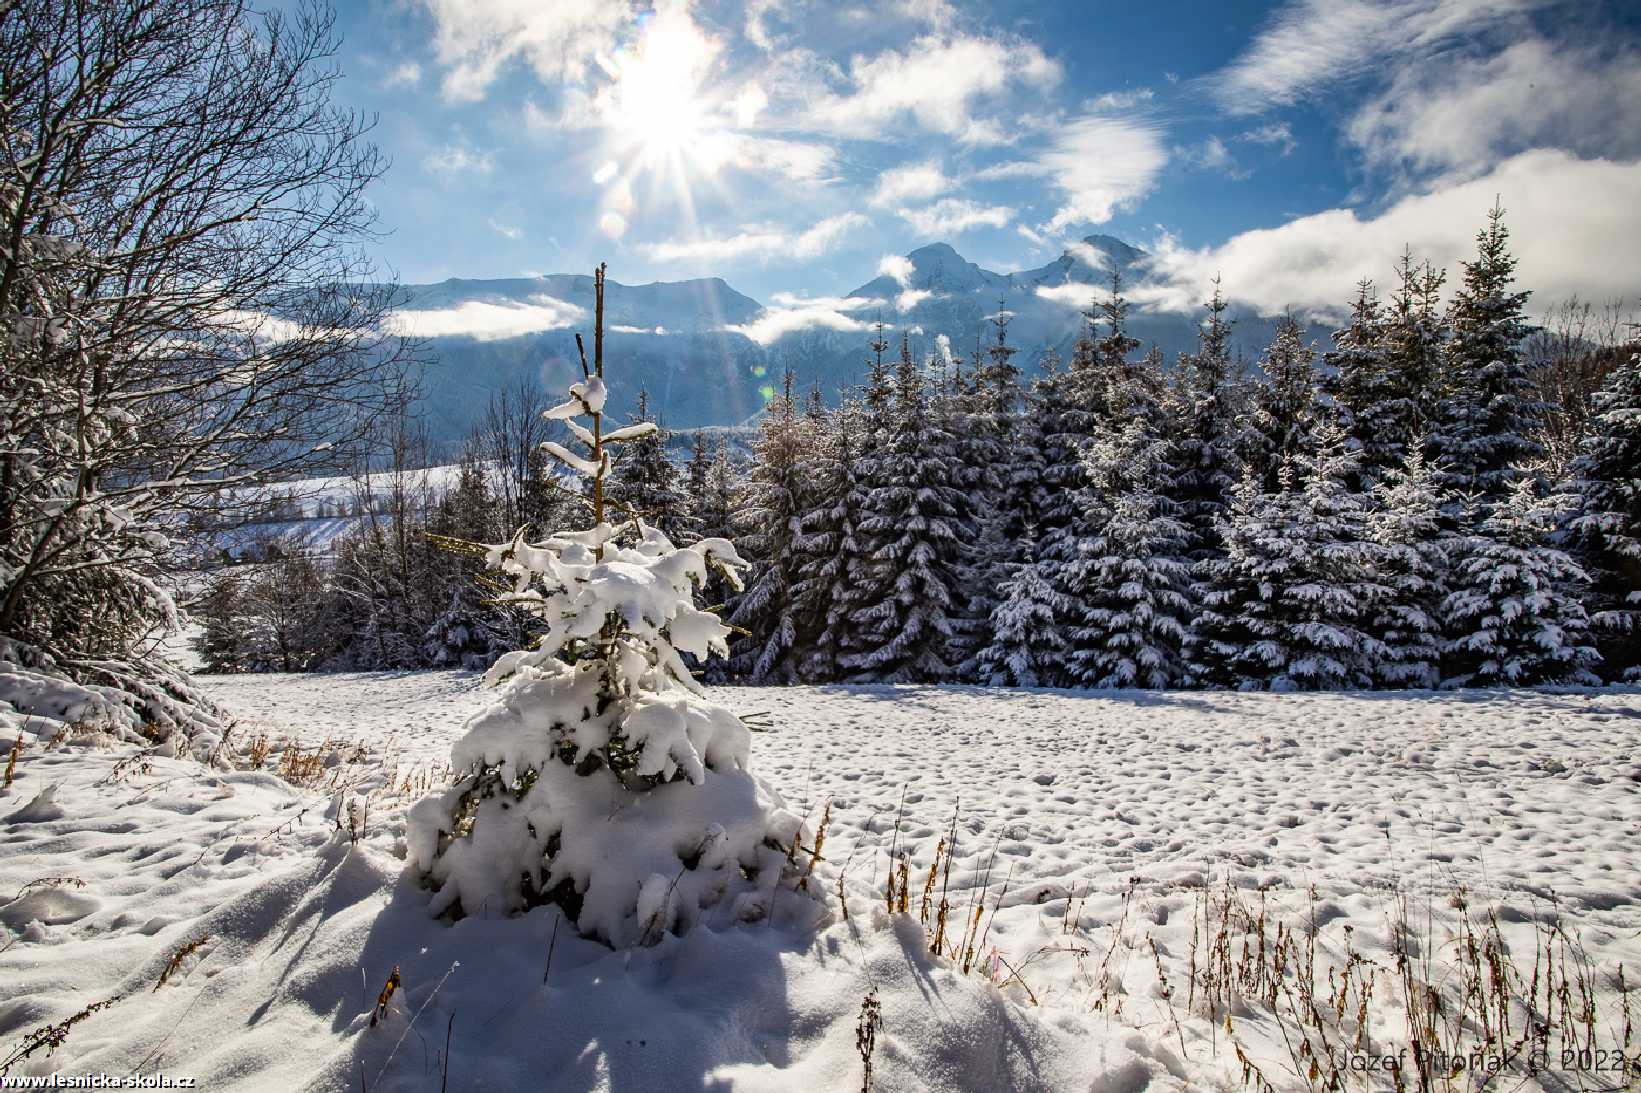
column 645, row 482
column 1027, row 648
column 461, row 637
column 604, row 779
column 1405, row 527
column 1135, row 611
column 1286, row 608
column 1607, row 526
column 1513, row 619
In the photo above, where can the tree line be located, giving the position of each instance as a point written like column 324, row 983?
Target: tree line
column 1445, row 497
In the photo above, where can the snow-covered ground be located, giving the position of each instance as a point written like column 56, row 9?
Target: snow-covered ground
column 1124, row 835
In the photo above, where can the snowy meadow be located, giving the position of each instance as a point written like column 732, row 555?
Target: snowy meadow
column 1135, row 860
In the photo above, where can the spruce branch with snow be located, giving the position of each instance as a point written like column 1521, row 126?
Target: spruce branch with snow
column 1607, row 526
column 604, row 779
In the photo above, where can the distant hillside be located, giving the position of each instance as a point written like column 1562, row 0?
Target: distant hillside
column 709, row 355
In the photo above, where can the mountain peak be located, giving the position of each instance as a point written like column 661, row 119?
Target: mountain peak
column 935, row 252
column 1124, row 253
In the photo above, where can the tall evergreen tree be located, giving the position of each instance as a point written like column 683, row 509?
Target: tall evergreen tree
column 985, row 424
column 912, row 515
column 697, row 485
column 1284, row 405
column 1359, row 382
column 843, row 573
column 1415, row 348
column 1491, row 415
column 773, row 517
column 1131, row 568
column 1206, row 405
column 1607, row 524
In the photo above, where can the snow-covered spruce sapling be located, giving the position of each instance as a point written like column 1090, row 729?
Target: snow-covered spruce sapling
column 604, row 779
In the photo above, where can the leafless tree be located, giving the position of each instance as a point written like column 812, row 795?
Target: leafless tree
column 510, row 435
column 185, row 310
column 1571, row 355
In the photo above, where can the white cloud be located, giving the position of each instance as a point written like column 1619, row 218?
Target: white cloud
column 774, row 323
column 1311, row 43
column 506, row 231
column 937, row 81
column 761, row 243
column 1072, row 293
column 405, row 75
column 1102, row 164
column 560, row 41
column 1560, row 210
column 955, row 214
column 1212, row 155
column 1119, row 100
column 1466, row 115
column 1090, row 256
column 913, row 182
column 897, row 266
column 489, row 321
column 1035, row 238
column 1276, row 133
column 613, row 224
column 1011, row 169
column 454, row 159
column 798, row 161
column 833, row 303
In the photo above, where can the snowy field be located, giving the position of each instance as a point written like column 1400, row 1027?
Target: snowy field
column 1152, row 854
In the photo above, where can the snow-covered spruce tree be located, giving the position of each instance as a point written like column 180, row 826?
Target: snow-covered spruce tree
column 774, row 513
column 1027, row 648
column 1132, row 568
column 1205, row 406
column 604, row 779
column 831, row 531
column 645, row 481
column 1284, row 404
column 1411, row 547
column 1513, row 617
column 1051, row 449
column 912, row 517
column 697, row 486
column 983, row 416
column 1286, row 609
column 1489, row 420
column 1359, row 383
column 461, row 637
column 1415, row 345
column 1607, row 525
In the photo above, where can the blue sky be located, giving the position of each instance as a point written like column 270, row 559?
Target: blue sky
column 790, row 146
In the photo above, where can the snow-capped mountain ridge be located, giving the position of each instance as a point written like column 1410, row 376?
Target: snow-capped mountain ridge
column 710, row 355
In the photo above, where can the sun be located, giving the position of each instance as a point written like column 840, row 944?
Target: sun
column 661, row 110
